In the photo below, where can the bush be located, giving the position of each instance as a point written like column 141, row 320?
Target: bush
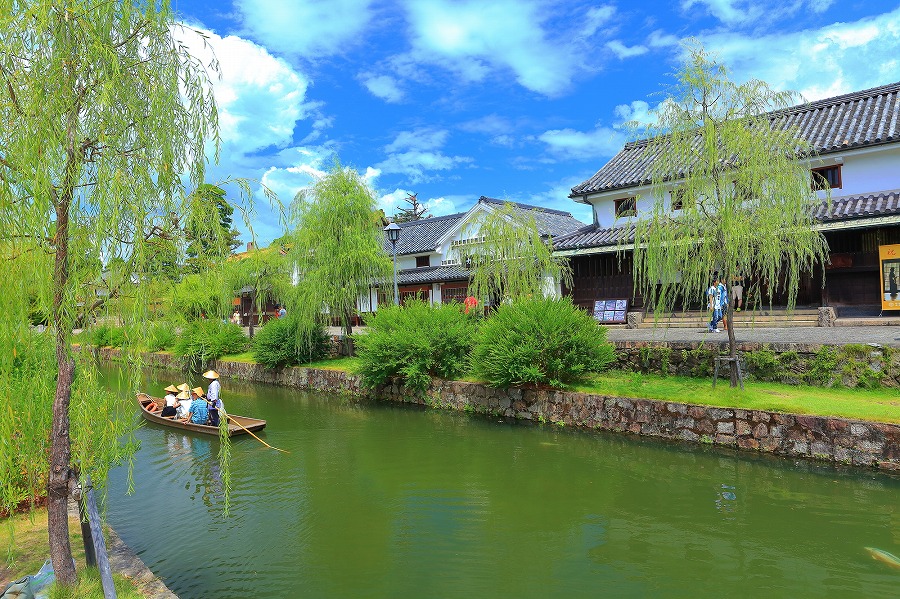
column 107, row 336
column 202, row 341
column 289, row 341
column 162, row 336
column 540, row 342
column 414, row 343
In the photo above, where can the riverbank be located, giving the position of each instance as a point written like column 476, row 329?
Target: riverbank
column 26, row 536
column 827, row 438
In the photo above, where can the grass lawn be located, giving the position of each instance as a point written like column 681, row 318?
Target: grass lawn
column 25, row 536
column 880, row 405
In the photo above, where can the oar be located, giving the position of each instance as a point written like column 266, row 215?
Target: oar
column 254, row 436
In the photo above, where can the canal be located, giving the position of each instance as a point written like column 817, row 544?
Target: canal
column 383, row 500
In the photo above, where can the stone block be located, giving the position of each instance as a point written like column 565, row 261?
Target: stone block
column 706, row 426
column 859, row 430
column 722, row 439
column 697, row 412
column 688, row 435
column 721, row 414
column 725, row 427
column 748, row 443
column 743, row 427
column 760, row 431
column 799, row 448
column 869, row 446
column 821, row 449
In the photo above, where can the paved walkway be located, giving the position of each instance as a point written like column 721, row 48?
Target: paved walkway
column 882, row 335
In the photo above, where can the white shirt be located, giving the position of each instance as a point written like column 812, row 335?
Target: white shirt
column 184, row 407
column 212, row 394
column 171, row 400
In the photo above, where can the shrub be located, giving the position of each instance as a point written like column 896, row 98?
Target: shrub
column 288, row 341
column 162, row 336
column 414, row 343
column 540, row 342
column 107, row 336
column 204, row 340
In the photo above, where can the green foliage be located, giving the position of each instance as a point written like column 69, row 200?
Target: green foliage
column 512, row 261
column 746, row 198
column 202, row 341
column 414, row 343
column 336, row 247
column 105, row 335
column 209, row 245
column 289, row 341
column 197, row 295
column 540, row 342
column 823, row 370
column 764, row 364
column 162, row 336
column 656, row 359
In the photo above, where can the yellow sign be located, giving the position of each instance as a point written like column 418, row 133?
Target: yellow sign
column 890, row 276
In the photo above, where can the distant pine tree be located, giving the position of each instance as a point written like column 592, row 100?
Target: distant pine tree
column 415, row 211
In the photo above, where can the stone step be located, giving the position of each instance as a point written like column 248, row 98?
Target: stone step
column 648, row 324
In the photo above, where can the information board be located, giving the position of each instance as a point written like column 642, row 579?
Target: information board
column 890, row 276
column 611, row 310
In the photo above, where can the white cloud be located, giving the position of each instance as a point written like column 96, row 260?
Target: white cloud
column 473, row 39
column 596, row 17
column 834, row 59
column 638, row 111
column 623, row 51
column 260, row 98
column 308, row 28
column 382, row 86
column 661, row 39
column 755, row 12
column 570, row 144
column 416, row 153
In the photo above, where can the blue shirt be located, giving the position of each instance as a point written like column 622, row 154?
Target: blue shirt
column 199, row 412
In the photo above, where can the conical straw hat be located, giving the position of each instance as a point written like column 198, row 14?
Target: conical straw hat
column 183, row 395
column 184, row 387
column 211, row 374
column 172, row 389
column 198, row 390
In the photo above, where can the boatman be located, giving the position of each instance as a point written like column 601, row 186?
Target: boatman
column 212, row 396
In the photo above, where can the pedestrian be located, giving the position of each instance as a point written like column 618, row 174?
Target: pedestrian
column 470, row 302
column 723, row 301
column 737, row 291
column 714, row 303
column 281, row 312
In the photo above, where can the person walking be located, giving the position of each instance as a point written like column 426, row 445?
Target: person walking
column 714, row 303
column 737, row 291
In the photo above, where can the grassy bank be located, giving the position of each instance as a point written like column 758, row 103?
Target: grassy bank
column 25, row 536
column 877, row 405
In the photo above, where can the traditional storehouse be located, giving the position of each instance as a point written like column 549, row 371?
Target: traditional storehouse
column 429, row 250
column 857, row 141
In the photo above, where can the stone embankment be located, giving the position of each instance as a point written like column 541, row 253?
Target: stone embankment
column 839, row 440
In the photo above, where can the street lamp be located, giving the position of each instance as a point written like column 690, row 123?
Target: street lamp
column 393, row 234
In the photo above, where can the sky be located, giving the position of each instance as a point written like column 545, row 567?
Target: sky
column 510, row 99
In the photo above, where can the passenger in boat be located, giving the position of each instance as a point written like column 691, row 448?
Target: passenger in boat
column 212, row 397
column 184, row 404
column 171, row 402
column 199, row 413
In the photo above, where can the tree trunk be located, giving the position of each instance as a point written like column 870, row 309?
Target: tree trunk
column 60, row 443
column 732, row 344
column 348, row 332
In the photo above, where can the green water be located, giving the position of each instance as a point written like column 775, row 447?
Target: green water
column 380, row 500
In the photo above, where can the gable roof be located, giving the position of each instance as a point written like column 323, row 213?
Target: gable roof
column 840, row 209
column 856, row 120
column 422, row 236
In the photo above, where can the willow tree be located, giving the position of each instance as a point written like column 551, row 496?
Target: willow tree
column 336, row 247
column 512, row 259
column 103, row 116
column 731, row 192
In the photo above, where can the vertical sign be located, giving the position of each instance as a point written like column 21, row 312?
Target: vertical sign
column 889, row 255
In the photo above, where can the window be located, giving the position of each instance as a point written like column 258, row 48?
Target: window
column 828, row 177
column 677, row 198
column 453, row 294
column 626, row 207
column 422, row 261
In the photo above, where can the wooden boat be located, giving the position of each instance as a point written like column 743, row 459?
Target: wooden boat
column 237, row 425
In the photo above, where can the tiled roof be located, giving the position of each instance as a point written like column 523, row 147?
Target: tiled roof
column 432, row 274
column 869, row 205
column 549, row 222
column 843, row 208
column 860, row 119
column 421, row 236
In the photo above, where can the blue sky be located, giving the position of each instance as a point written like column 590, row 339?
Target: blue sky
column 512, row 99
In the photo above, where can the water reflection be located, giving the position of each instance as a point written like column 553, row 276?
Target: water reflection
column 379, row 500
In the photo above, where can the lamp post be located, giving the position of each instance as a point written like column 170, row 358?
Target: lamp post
column 393, row 234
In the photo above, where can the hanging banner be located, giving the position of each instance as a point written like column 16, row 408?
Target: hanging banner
column 612, row 310
column 890, row 276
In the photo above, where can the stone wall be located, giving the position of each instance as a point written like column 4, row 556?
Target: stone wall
column 849, row 366
column 839, row 440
